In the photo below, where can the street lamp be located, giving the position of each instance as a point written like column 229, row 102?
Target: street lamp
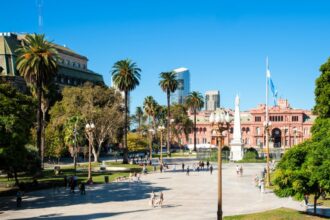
column 161, row 128
column 75, row 148
column 151, row 132
column 267, row 125
column 222, row 121
column 90, row 127
column 170, row 137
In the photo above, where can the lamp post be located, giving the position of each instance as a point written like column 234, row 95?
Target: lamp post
column 151, row 132
column 161, row 128
column 267, row 125
column 90, row 127
column 75, row 149
column 222, row 121
column 169, row 142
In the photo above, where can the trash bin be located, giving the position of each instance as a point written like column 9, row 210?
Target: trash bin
column 106, row 179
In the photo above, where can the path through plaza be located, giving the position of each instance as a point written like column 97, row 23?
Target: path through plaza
column 186, row 197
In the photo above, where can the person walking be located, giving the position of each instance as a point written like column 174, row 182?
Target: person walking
column 161, row 199
column 211, row 169
column 161, row 167
column 241, row 170
column 207, row 164
column 152, row 199
column 237, row 170
column 187, row 171
column 82, row 188
column 19, row 199
column 182, row 167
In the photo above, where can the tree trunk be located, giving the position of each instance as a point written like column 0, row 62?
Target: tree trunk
column 195, row 149
column 125, row 156
column 96, row 153
column 16, row 179
column 39, row 119
column 315, row 203
column 43, row 137
column 168, row 122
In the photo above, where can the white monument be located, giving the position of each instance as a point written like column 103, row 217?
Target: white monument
column 236, row 145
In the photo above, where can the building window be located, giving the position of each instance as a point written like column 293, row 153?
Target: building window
column 204, row 140
column 258, row 131
column 305, row 131
column 295, row 118
column 286, row 142
column 257, row 118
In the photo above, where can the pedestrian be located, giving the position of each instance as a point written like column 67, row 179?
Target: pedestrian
column 152, row 199
column 262, row 186
column 82, row 188
column 237, row 169
column 161, row 199
column 306, row 197
column 188, row 171
column 71, row 184
column 182, row 167
column 211, row 169
column 161, row 167
column 207, row 164
column 19, row 199
column 241, row 170
column 65, row 181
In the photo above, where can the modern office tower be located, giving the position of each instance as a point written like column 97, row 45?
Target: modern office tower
column 212, row 100
column 183, row 90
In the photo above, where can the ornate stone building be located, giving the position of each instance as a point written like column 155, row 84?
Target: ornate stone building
column 289, row 127
column 72, row 71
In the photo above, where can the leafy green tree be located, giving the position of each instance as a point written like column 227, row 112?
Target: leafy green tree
column 89, row 103
column 181, row 125
column 322, row 92
column 37, row 63
column 168, row 83
column 195, row 102
column 126, row 77
column 136, row 142
column 139, row 117
column 16, row 119
column 152, row 109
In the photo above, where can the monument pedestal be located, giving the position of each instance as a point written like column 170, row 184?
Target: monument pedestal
column 236, row 152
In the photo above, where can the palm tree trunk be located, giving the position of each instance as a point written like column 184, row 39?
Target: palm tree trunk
column 195, row 149
column 168, row 122
column 43, row 138
column 125, row 156
column 39, row 118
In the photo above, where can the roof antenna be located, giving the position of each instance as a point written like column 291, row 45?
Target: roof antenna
column 40, row 18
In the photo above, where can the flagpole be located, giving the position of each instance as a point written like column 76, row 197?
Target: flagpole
column 267, row 123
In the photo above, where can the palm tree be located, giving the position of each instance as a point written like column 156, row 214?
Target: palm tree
column 126, row 76
column 37, row 63
column 195, row 102
column 152, row 109
column 169, row 84
column 139, row 116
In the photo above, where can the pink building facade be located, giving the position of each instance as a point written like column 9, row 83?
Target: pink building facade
column 289, row 127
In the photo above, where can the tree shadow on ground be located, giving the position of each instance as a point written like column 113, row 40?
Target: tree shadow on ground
column 323, row 212
column 81, row 217
column 113, row 192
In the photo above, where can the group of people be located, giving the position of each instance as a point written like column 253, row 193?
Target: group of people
column 136, row 177
column 72, row 183
column 200, row 166
column 260, row 183
column 239, row 170
column 156, row 202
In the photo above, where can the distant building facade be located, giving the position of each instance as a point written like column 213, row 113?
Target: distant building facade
column 183, row 90
column 72, row 71
column 212, row 100
column 289, row 127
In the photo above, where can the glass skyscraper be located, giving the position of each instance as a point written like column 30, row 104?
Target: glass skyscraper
column 183, row 90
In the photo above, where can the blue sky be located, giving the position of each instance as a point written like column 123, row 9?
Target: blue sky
column 224, row 43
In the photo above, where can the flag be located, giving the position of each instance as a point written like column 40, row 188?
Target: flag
column 272, row 86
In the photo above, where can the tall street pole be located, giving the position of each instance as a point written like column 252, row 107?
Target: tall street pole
column 219, row 178
column 161, row 146
column 90, row 157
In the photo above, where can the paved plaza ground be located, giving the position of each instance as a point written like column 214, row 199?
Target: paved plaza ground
column 185, row 197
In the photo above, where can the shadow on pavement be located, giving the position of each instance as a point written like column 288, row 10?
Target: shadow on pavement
column 113, row 192
column 89, row 216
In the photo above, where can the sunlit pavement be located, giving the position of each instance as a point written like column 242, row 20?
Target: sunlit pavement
column 185, row 197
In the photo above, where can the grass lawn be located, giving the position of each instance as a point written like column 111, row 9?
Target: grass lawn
column 48, row 178
column 276, row 214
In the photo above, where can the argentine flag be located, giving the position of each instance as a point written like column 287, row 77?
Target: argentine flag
column 272, row 86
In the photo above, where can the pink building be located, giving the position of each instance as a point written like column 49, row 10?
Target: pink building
column 289, row 127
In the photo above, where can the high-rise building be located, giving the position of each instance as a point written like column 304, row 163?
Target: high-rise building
column 212, row 100
column 183, row 90
column 72, row 67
